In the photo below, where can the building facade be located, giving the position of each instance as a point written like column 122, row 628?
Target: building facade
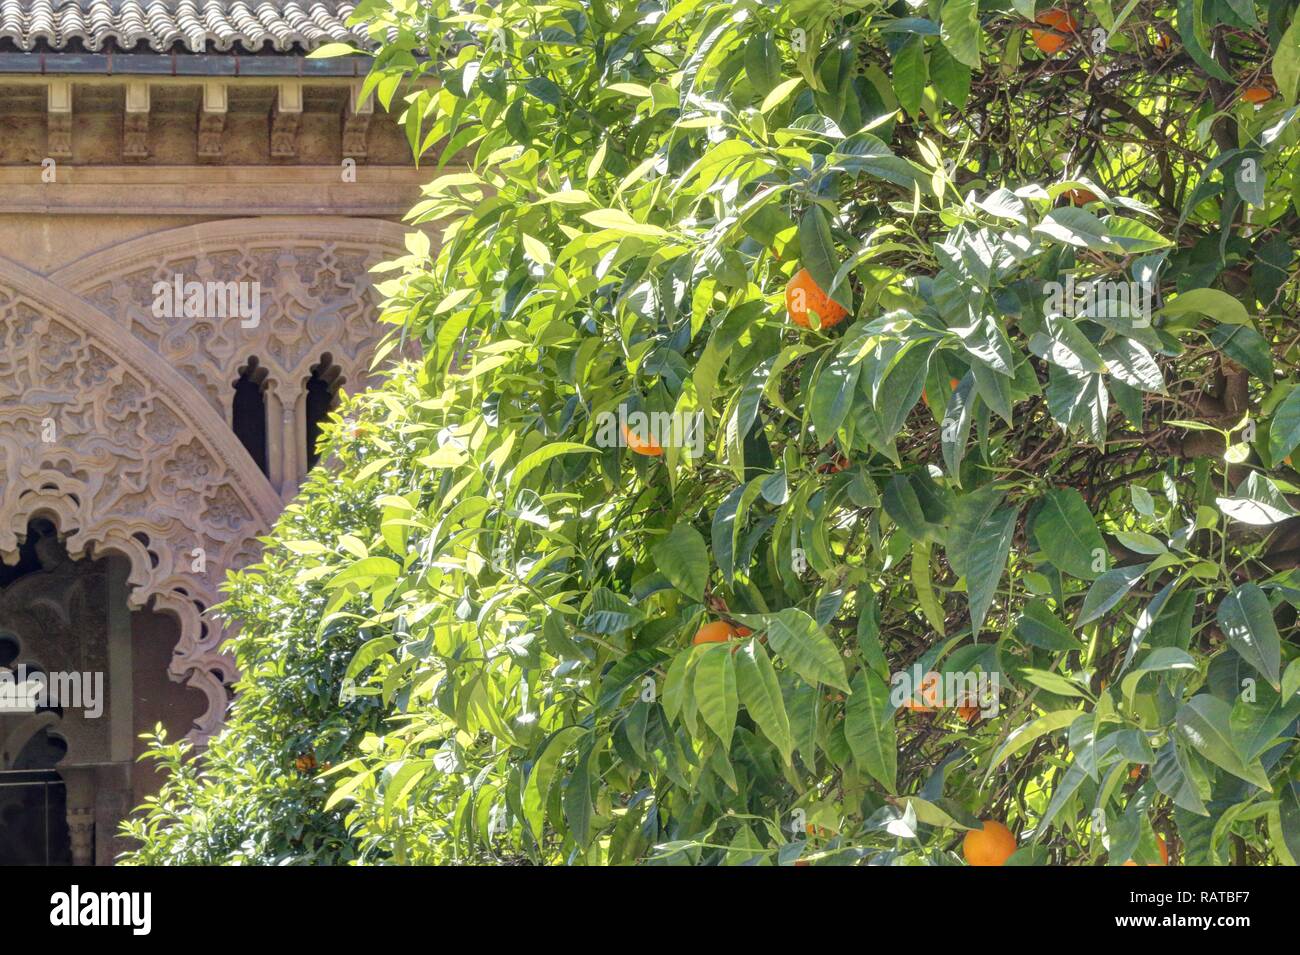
column 189, row 207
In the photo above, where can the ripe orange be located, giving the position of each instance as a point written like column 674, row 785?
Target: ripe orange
column 834, row 466
column 742, row 632
column 1080, row 197
column 1057, row 19
column 1135, row 772
column 1164, row 852
column 804, row 294
column 968, row 713
column 717, row 632
column 639, row 445
column 993, row 845
column 1257, row 94
column 928, row 693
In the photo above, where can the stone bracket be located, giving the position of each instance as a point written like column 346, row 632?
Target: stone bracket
column 212, row 121
column 59, row 119
column 135, row 124
column 356, row 124
column 286, row 120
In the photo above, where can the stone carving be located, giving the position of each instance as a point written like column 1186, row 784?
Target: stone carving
column 114, row 421
column 58, row 618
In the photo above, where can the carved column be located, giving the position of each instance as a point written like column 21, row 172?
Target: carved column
column 80, row 787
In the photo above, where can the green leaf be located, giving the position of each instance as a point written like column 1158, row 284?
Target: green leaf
column 1024, row 737
column 1247, row 620
column 832, row 393
column 960, row 30
column 1205, row 723
column 542, row 456
column 369, row 652
column 760, row 692
column 1284, row 430
column 817, row 251
column 1040, row 627
column 619, row 221
column 924, row 584
column 1134, row 237
column 683, row 558
column 1076, row 227
column 1210, row 302
column 763, row 62
column 1066, row 532
column 910, row 75
column 979, row 547
column 538, row 788
column 715, row 691
column 1257, row 501
column 1247, row 348
column 796, row 639
column 951, row 78
column 1286, row 62
column 1108, row 590
column 869, row 728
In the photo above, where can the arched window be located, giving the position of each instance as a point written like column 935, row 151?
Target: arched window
column 248, row 412
column 322, row 396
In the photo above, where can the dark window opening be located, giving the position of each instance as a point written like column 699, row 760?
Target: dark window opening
column 322, row 396
column 248, row 412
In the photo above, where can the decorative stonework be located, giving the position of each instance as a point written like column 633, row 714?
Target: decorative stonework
column 315, row 292
column 118, row 452
column 114, row 422
column 135, row 136
column 58, row 617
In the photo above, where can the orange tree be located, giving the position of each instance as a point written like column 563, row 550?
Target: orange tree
column 841, row 427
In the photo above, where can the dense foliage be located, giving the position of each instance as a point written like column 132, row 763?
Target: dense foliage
column 1080, row 508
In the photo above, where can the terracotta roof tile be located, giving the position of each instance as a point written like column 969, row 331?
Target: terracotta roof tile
column 193, row 26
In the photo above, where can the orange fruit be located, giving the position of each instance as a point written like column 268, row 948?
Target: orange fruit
column 1057, row 19
column 968, row 713
column 1080, row 197
column 1257, row 94
column 744, row 632
column 804, row 294
column 928, row 693
column 717, row 632
column 953, row 383
column 639, row 445
column 1135, row 772
column 1164, row 853
column 992, row 845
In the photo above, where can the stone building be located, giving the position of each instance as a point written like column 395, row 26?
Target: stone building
column 189, row 206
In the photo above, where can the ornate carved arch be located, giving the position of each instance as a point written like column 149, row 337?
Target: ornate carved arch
column 314, row 285
column 122, row 454
column 114, row 421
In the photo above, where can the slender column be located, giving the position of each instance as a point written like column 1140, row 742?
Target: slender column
column 120, row 664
